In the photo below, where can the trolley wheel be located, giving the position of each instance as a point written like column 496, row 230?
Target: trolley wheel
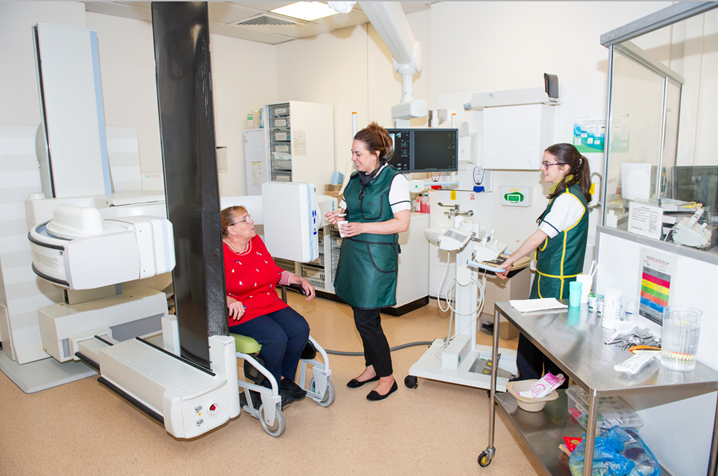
column 411, row 382
column 279, row 425
column 329, row 394
column 484, row 459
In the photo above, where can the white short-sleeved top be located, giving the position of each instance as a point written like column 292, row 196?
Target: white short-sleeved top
column 567, row 210
column 399, row 195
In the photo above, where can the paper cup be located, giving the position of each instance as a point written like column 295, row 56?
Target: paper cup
column 586, row 281
column 341, row 226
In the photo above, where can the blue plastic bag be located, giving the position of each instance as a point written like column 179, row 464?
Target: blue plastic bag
column 616, row 452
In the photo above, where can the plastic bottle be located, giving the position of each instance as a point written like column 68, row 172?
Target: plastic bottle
column 424, row 203
column 417, row 203
column 428, row 204
column 611, row 308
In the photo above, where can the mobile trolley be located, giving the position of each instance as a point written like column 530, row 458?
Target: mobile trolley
column 573, row 339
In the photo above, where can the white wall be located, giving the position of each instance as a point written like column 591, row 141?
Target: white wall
column 244, row 78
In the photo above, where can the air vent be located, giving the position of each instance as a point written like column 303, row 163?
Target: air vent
column 266, row 20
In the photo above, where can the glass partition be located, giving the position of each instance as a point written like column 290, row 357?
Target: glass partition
column 662, row 159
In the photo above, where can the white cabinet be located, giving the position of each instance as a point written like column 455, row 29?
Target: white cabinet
column 515, row 137
column 301, row 142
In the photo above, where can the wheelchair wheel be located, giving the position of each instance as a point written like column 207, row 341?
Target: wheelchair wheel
column 279, row 425
column 329, row 395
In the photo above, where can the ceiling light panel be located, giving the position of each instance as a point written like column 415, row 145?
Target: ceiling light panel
column 307, row 11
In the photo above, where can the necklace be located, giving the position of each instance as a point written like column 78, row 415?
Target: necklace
column 235, row 249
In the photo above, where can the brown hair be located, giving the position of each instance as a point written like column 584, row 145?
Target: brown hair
column 579, row 168
column 376, row 139
column 229, row 215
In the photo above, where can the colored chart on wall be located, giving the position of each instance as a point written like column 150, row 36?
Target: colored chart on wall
column 656, row 273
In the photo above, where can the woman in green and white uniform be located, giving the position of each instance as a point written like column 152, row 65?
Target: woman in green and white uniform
column 378, row 208
column 560, row 242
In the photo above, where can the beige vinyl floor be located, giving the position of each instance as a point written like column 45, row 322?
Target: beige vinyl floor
column 436, row 429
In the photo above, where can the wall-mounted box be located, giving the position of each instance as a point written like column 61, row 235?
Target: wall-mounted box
column 516, row 195
column 515, row 137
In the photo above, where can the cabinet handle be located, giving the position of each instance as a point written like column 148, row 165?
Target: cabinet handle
column 531, row 155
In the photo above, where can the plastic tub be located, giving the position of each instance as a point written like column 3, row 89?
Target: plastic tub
column 612, row 411
column 528, row 404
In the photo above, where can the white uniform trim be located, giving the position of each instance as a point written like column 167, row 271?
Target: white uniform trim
column 567, row 210
column 399, row 195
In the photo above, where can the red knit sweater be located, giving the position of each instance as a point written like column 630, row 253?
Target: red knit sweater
column 251, row 278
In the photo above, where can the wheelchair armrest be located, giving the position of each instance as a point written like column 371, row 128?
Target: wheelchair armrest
column 296, row 287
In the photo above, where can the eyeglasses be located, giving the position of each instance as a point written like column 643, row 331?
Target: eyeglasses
column 545, row 165
column 246, row 220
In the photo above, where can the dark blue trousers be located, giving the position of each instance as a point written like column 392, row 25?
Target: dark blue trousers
column 283, row 336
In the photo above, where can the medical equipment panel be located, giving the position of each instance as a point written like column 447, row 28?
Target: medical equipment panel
column 60, row 323
column 425, row 150
column 78, row 250
column 189, row 399
column 287, row 208
column 515, row 137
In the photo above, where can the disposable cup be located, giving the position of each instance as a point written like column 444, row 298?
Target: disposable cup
column 574, row 295
column 586, row 281
column 342, row 225
column 679, row 337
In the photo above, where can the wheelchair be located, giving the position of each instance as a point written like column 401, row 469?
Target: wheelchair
column 266, row 403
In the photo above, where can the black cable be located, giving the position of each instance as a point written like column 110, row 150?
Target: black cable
column 359, row 354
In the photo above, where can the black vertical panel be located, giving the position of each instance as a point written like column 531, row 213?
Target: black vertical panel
column 184, row 93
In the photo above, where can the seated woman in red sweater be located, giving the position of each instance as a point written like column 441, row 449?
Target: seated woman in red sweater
column 251, row 278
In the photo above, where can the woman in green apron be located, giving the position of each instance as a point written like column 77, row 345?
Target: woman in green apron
column 559, row 243
column 377, row 206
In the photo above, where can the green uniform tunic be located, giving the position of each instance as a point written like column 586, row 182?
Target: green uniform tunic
column 369, row 263
column 560, row 259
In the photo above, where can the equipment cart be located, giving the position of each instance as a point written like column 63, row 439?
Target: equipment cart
column 573, row 339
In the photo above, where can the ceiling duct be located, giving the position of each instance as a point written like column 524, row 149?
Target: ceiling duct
column 267, row 20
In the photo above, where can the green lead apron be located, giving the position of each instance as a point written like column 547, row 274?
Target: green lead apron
column 560, row 259
column 368, row 263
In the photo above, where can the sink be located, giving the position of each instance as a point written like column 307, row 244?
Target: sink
column 433, row 234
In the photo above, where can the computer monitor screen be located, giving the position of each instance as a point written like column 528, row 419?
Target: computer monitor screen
column 697, row 183
column 401, row 159
column 425, row 150
column 436, row 150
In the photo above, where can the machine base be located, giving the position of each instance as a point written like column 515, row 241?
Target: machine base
column 43, row 374
column 429, row 366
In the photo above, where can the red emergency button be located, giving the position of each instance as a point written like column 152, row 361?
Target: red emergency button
column 213, row 408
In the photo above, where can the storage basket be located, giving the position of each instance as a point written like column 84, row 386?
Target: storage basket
column 286, row 264
column 314, row 275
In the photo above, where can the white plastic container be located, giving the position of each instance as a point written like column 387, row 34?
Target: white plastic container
column 611, row 308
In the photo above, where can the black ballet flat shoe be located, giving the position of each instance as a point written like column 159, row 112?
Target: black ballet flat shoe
column 292, row 389
column 374, row 395
column 354, row 383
